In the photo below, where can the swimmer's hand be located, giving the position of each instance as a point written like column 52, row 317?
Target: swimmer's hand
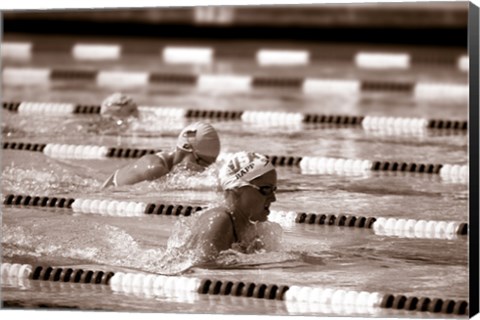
column 108, row 182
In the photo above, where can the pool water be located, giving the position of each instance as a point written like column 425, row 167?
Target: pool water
column 298, row 254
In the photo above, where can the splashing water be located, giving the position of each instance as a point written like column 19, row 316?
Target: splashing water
column 179, row 179
column 84, row 240
column 49, row 181
column 152, row 123
column 190, row 180
column 261, row 245
column 88, row 242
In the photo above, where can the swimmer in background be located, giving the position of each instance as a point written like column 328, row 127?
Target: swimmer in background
column 118, row 111
column 118, row 114
column 197, row 147
column 249, row 182
column 118, row 106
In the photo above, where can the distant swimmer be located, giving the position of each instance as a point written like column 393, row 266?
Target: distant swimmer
column 198, row 146
column 249, row 181
column 118, row 114
column 118, row 106
column 118, row 111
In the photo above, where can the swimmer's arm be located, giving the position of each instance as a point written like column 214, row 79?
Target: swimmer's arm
column 148, row 167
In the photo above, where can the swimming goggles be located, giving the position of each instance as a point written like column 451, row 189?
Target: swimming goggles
column 264, row 190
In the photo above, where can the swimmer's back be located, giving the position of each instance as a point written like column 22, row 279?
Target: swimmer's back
column 216, row 230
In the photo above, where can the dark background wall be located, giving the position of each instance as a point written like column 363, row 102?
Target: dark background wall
column 421, row 23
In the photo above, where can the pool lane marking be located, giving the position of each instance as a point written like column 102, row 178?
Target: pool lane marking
column 308, row 165
column 421, row 90
column 463, row 63
column 26, row 76
column 123, row 79
column 393, row 227
column 329, row 165
column 18, row 51
column 380, row 60
column 409, row 228
column 275, row 57
column 72, row 151
column 86, row 51
column 46, row 108
column 272, row 118
column 265, row 57
column 185, row 54
column 224, row 83
column 160, row 285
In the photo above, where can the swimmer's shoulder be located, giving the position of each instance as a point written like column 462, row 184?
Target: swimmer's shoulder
column 217, row 226
column 215, row 214
column 166, row 158
column 150, row 166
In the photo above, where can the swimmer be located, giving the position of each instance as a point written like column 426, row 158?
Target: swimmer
column 198, row 146
column 117, row 113
column 118, row 106
column 249, row 182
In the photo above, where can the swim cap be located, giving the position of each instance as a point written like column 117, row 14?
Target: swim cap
column 242, row 168
column 201, row 138
column 119, row 105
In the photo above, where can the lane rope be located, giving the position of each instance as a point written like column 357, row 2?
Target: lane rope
column 308, row 165
column 25, row 50
column 269, row 118
column 151, row 284
column 327, row 165
column 71, row 151
column 421, row 90
column 409, row 228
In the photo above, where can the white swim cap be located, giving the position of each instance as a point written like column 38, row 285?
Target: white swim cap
column 119, row 105
column 242, row 168
column 201, row 138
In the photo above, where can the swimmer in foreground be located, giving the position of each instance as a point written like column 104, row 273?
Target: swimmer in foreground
column 249, row 182
column 198, row 146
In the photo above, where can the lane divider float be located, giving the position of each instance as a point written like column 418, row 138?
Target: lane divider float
column 103, row 207
column 237, row 83
column 338, row 298
column 409, row 228
column 370, row 123
column 275, row 57
column 86, row 51
column 371, row 60
column 71, row 151
column 328, row 165
column 47, row 273
column 151, row 284
column 24, row 51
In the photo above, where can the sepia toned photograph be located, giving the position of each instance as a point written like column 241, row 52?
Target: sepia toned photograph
column 309, row 159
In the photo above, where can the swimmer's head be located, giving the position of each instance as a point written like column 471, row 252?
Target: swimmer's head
column 119, row 105
column 242, row 168
column 202, row 140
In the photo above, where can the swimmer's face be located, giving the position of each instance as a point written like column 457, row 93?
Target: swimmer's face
column 193, row 161
column 257, row 200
